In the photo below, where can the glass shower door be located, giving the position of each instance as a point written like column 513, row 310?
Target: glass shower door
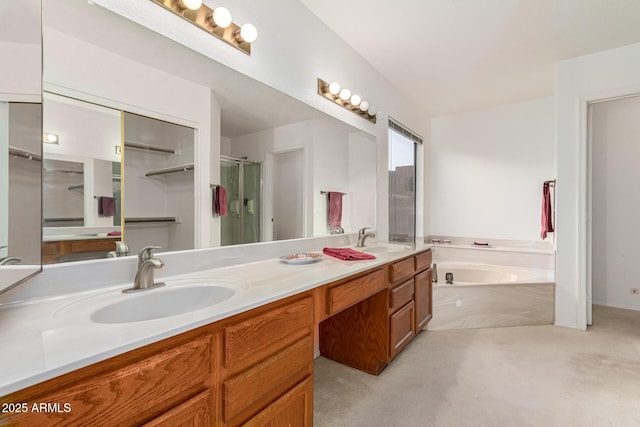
column 242, row 180
column 231, row 233
column 251, row 203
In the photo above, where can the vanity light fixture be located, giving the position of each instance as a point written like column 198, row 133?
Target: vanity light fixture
column 216, row 21
column 50, row 138
column 352, row 102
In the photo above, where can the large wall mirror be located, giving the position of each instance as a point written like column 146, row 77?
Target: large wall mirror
column 232, row 161
column 20, row 141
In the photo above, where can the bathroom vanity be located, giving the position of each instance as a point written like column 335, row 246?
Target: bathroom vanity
column 251, row 368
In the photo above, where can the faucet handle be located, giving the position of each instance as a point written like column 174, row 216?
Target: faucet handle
column 146, row 253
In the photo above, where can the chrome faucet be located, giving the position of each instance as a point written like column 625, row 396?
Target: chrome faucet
column 147, row 265
column 10, row 260
column 337, row 230
column 362, row 236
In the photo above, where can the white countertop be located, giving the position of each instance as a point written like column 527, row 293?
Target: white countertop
column 47, row 337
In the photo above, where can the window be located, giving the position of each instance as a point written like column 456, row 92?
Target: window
column 402, row 183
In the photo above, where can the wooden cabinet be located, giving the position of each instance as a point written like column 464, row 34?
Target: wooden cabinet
column 55, row 250
column 370, row 327
column 423, row 298
column 130, row 389
column 293, row 409
column 195, row 412
column 256, row 366
column 266, row 355
column 402, row 328
column 343, row 294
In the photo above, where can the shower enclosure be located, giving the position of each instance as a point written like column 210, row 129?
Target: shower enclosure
column 242, row 180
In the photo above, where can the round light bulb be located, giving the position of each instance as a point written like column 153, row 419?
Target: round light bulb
column 364, row 106
column 249, row 33
column 50, row 138
column 345, row 94
column 221, row 17
column 334, row 88
column 380, row 115
column 355, row 100
column 191, row 4
column 373, row 110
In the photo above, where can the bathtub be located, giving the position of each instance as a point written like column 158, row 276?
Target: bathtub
column 488, row 295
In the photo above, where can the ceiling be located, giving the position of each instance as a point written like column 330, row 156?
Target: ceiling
column 449, row 56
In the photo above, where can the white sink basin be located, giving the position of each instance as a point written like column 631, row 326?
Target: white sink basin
column 384, row 248
column 161, row 302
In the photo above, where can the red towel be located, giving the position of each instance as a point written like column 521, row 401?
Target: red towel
column 547, row 226
column 347, row 254
column 220, row 201
column 114, row 233
column 106, row 206
column 335, row 209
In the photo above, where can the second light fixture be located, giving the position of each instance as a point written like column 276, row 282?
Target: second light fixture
column 352, row 102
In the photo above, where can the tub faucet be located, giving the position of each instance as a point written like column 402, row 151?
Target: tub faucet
column 147, row 265
column 362, row 236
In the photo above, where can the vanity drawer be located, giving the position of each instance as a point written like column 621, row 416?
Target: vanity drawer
column 266, row 333
column 127, row 395
column 401, row 294
column 194, row 412
column 252, row 390
column 401, row 270
column 349, row 293
column 423, row 260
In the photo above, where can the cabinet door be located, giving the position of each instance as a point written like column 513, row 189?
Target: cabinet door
column 402, row 328
column 294, row 408
column 423, row 298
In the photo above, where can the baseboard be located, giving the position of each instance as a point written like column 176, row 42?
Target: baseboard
column 612, row 305
column 316, row 354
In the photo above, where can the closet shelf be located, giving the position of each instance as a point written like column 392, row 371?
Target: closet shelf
column 183, row 168
column 140, row 146
column 173, row 219
column 13, row 151
column 63, row 219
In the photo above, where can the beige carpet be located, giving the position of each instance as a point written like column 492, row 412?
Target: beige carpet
column 520, row 376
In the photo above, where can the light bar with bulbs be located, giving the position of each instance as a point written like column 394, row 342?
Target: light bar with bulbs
column 352, row 102
column 214, row 21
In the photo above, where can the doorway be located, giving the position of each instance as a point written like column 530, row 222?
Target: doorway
column 614, row 204
column 287, row 195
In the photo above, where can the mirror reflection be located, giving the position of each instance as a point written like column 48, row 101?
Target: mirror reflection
column 20, row 141
column 246, row 163
column 81, row 180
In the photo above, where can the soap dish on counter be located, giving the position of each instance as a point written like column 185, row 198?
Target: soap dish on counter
column 301, row 258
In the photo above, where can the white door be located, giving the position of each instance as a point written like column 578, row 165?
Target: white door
column 287, row 192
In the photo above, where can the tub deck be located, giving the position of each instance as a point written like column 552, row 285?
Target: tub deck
column 488, row 305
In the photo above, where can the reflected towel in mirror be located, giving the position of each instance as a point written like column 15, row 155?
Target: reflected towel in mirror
column 220, row 201
column 335, row 209
column 106, row 206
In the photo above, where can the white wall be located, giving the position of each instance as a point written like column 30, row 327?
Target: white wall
column 616, row 202
column 363, row 191
column 607, row 74
column 487, row 170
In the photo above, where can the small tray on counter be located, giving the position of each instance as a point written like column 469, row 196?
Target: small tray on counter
column 301, row 258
